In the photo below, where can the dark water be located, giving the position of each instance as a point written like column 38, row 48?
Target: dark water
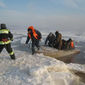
column 80, row 58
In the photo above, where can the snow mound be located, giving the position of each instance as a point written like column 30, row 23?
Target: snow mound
column 53, row 74
column 37, row 70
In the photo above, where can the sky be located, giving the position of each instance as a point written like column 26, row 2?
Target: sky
column 43, row 14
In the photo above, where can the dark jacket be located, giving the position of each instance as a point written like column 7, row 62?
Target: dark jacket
column 50, row 39
column 5, row 35
column 58, row 36
column 58, row 41
column 64, row 44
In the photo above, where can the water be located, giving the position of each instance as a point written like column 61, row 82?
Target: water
column 80, row 58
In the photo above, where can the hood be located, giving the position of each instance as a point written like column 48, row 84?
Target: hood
column 31, row 28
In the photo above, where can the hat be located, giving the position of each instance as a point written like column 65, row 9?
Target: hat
column 3, row 26
column 29, row 29
column 56, row 32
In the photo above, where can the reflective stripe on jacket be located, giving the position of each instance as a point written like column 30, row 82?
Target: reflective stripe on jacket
column 6, row 31
column 7, row 42
column 4, row 40
column 12, row 53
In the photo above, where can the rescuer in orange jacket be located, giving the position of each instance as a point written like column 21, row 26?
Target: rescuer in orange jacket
column 35, row 36
column 70, row 44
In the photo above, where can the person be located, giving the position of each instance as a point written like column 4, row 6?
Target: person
column 58, row 41
column 64, row 44
column 35, row 36
column 5, row 40
column 50, row 40
column 70, row 44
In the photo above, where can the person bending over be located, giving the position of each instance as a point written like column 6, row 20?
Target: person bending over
column 35, row 37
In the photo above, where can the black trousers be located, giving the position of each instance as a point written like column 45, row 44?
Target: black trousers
column 9, row 50
column 35, row 43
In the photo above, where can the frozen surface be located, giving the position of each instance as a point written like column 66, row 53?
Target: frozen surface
column 75, row 36
column 35, row 69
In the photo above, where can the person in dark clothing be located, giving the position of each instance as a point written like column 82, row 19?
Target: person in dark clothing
column 70, row 44
column 64, row 44
column 58, row 41
column 50, row 40
column 5, row 40
column 35, row 36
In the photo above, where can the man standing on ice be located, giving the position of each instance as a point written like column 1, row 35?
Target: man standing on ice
column 35, row 36
column 5, row 40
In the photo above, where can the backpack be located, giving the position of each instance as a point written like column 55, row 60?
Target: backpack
column 39, row 34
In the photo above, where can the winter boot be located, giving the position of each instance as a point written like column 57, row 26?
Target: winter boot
column 33, row 51
column 13, row 57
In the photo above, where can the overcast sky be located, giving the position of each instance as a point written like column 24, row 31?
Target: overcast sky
column 44, row 14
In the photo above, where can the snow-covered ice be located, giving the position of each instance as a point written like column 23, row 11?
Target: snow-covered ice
column 75, row 36
column 36, row 69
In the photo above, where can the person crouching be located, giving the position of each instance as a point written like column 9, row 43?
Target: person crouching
column 50, row 40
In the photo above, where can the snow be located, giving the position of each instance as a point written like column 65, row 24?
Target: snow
column 36, row 69
column 23, row 40
column 39, row 71
column 75, row 36
column 76, row 67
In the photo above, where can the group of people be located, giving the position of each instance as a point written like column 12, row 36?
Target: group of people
column 57, row 42
column 52, row 40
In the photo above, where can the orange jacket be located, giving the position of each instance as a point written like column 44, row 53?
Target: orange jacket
column 72, row 44
column 34, row 33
